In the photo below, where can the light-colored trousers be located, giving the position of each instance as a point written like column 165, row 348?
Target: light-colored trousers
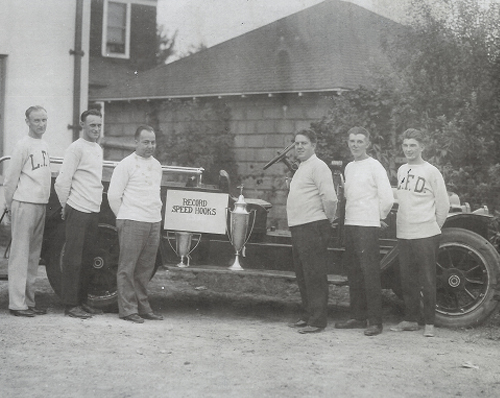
column 138, row 247
column 27, row 224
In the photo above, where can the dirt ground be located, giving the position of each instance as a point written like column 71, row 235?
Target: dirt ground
column 231, row 338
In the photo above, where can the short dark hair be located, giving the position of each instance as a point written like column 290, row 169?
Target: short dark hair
column 94, row 112
column 309, row 134
column 359, row 130
column 415, row 134
column 140, row 129
column 33, row 109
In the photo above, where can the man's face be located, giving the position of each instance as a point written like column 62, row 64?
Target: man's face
column 358, row 145
column 37, row 123
column 412, row 150
column 146, row 145
column 91, row 128
column 304, row 148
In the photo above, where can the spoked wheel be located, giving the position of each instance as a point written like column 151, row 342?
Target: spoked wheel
column 102, row 288
column 467, row 270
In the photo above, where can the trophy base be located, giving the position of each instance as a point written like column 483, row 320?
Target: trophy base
column 236, row 265
column 181, row 264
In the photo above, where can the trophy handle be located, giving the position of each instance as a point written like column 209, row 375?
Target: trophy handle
column 195, row 246
column 168, row 237
column 253, row 215
column 228, row 225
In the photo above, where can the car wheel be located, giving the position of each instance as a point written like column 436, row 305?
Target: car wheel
column 467, row 270
column 102, row 288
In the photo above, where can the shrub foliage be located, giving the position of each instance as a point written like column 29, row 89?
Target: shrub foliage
column 444, row 78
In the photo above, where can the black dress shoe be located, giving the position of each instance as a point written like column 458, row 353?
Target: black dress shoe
column 373, row 330
column 77, row 312
column 38, row 311
column 92, row 310
column 310, row 329
column 27, row 313
column 151, row 316
column 351, row 324
column 300, row 323
column 133, row 318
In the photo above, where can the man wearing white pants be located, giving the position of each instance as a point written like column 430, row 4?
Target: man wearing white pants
column 27, row 191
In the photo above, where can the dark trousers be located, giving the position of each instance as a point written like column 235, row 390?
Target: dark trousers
column 417, row 262
column 310, row 259
column 362, row 260
column 81, row 243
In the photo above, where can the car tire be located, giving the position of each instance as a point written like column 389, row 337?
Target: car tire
column 467, row 272
column 102, row 288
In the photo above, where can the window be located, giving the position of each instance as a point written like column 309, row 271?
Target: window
column 116, row 29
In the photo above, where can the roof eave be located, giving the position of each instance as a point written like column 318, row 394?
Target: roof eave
column 220, row 95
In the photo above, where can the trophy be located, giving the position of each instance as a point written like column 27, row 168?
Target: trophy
column 240, row 228
column 183, row 243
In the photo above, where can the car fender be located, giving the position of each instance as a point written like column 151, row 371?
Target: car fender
column 478, row 223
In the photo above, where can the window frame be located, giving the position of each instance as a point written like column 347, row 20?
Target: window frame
column 126, row 54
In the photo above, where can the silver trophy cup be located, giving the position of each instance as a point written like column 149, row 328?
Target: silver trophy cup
column 183, row 243
column 240, row 227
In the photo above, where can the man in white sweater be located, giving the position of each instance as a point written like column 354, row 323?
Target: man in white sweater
column 369, row 199
column 311, row 207
column 423, row 207
column 79, row 190
column 134, row 197
column 27, row 191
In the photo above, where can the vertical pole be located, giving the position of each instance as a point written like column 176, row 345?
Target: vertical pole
column 78, row 54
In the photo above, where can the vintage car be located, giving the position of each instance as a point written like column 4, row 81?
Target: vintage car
column 468, row 265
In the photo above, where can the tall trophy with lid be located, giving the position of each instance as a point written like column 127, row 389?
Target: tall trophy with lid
column 240, row 226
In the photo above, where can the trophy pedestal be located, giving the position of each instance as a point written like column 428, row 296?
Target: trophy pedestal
column 236, row 265
column 181, row 264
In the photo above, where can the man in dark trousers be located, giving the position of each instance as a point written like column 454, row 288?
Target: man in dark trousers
column 369, row 200
column 79, row 189
column 311, row 207
column 423, row 207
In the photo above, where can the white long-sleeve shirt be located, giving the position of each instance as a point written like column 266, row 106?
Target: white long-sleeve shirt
column 368, row 193
column 79, row 181
column 134, row 190
column 312, row 194
column 423, row 201
column 27, row 178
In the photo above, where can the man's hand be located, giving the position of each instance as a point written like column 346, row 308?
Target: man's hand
column 383, row 225
column 8, row 214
